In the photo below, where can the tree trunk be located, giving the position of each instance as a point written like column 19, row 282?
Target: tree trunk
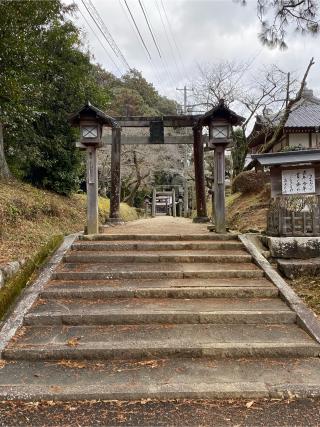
column 137, row 183
column 4, row 169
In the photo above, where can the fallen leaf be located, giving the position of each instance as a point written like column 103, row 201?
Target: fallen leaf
column 73, row 342
column 291, row 395
column 55, row 388
column 71, row 364
column 33, row 404
column 249, row 404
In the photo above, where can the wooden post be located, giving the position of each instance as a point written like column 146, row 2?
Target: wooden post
column 185, row 184
column 180, row 208
column 115, row 176
column 174, row 209
column 185, row 199
column 199, row 176
column 219, row 188
column 153, row 209
column 92, row 191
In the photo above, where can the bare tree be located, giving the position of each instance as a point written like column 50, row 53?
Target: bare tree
column 289, row 104
column 269, row 90
column 251, row 93
column 137, row 175
column 276, row 125
column 217, row 81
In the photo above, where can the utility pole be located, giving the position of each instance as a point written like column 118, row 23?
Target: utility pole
column 185, row 158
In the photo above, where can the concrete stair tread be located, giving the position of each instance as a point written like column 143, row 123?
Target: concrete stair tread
column 166, row 378
column 150, row 270
column 166, row 310
column 163, row 283
column 161, row 237
column 158, row 253
column 153, row 257
column 194, row 305
column 106, row 290
column 181, row 245
column 170, row 288
column 161, row 335
column 158, row 267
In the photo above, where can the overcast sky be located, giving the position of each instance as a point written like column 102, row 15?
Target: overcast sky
column 200, row 31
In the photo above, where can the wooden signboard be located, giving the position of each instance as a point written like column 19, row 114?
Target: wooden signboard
column 298, row 181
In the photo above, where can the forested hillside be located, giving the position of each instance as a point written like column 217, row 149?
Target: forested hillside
column 45, row 74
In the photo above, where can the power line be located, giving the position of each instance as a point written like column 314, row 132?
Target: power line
column 168, row 39
column 173, row 37
column 103, row 46
column 104, row 30
column 164, row 62
column 151, row 32
column 139, row 41
column 132, row 26
column 135, row 24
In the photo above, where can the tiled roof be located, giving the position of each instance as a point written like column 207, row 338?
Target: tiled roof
column 305, row 115
column 288, row 157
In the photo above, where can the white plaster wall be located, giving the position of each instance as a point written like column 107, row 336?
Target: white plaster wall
column 314, row 140
column 299, row 139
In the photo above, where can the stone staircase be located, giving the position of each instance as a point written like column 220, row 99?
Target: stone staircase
column 130, row 316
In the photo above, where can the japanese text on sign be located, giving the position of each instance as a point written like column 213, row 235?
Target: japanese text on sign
column 298, row 181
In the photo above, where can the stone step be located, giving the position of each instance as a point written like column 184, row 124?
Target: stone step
column 160, row 237
column 128, row 245
column 127, row 257
column 104, row 271
column 154, row 340
column 161, row 288
column 293, row 268
column 161, row 379
column 166, row 310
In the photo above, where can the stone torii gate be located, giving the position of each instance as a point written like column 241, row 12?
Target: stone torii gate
column 156, row 193
column 156, row 125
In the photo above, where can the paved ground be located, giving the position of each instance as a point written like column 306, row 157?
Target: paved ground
column 159, row 225
column 218, row 413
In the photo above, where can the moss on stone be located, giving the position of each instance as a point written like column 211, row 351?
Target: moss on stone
column 14, row 285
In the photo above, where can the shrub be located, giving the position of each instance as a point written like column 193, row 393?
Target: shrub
column 249, row 182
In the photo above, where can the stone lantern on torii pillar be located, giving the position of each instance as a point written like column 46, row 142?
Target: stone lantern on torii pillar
column 220, row 120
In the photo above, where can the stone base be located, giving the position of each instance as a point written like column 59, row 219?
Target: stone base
column 201, row 219
column 114, row 221
column 293, row 247
column 85, row 231
column 212, row 228
column 293, row 268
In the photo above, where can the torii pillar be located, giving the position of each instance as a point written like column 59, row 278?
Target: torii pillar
column 114, row 216
column 199, row 176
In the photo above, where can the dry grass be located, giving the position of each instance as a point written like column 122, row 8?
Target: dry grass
column 308, row 288
column 29, row 217
column 248, row 212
